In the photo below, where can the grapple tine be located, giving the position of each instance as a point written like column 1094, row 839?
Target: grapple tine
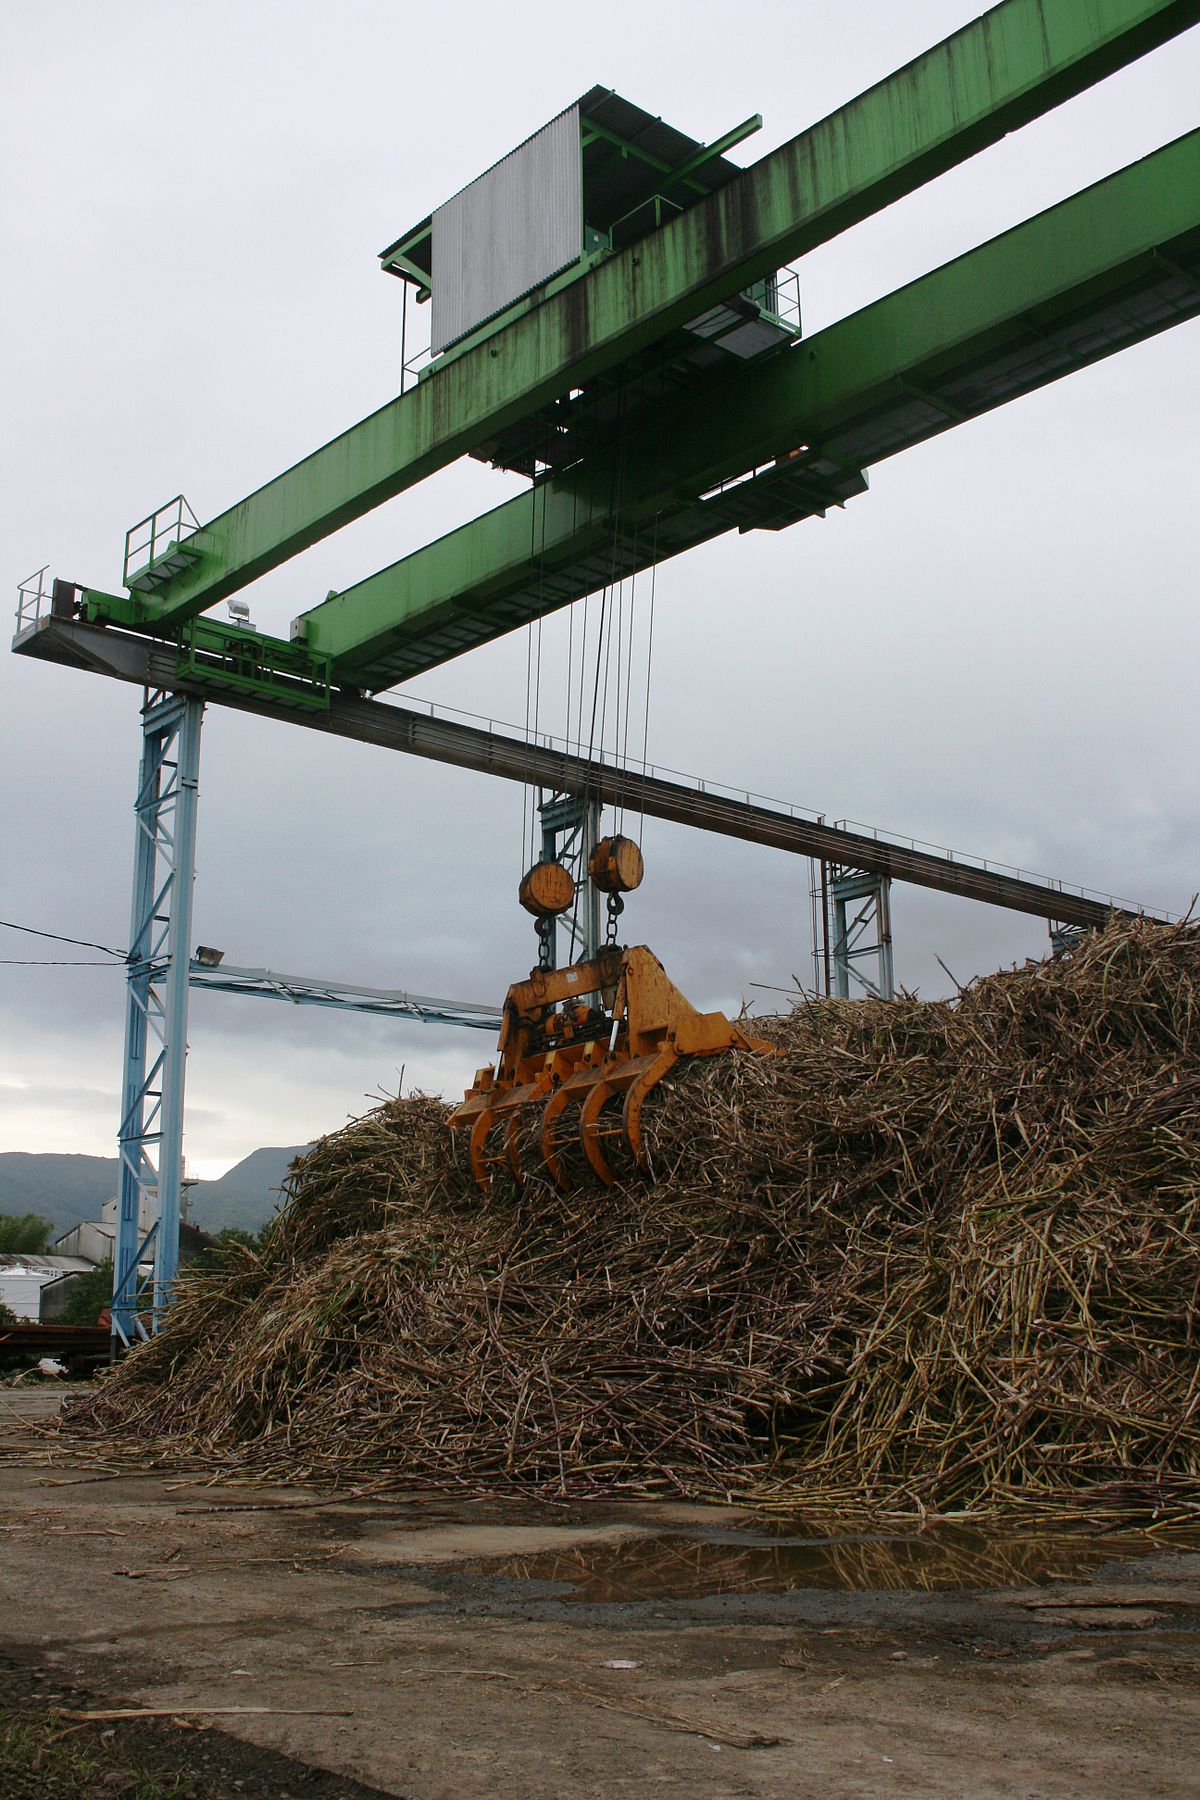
column 479, row 1137
column 513, row 1148
column 555, row 1106
column 556, row 1051
column 589, row 1130
column 631, row 1115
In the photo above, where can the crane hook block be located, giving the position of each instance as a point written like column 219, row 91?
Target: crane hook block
column 616, row 865
column 547, row 890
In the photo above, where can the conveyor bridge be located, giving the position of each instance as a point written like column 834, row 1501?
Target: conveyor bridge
column 148, row 663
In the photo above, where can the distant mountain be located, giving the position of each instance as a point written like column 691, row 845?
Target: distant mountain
column 63, row 1189
column 67, row 1189
column 246, row 1195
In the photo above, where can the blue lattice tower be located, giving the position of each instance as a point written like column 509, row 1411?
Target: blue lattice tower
column 570, row 832
column 151, row 1129
column 860, row 934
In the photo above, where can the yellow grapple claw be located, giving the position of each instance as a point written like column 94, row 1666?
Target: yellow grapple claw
column 582, row 1047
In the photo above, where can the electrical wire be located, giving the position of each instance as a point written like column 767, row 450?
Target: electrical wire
column 53, row 962
column 60, row 938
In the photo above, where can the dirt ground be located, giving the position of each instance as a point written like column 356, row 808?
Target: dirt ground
column 445, row 1649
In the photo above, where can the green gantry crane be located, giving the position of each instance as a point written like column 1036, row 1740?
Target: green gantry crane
column 642, row 375
column 613, row 317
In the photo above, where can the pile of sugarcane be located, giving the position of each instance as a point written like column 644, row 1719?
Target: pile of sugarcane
column 929, row 1257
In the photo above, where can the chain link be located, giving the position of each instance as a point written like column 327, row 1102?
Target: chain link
column 545, row 933
column 616, row 906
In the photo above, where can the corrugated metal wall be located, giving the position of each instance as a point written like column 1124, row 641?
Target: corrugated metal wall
column 508, row 231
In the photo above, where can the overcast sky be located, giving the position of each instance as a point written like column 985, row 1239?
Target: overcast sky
column 995, row 649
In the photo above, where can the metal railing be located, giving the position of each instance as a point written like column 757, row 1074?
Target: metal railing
column 717, row 790
column 781, row 299
column 778, row 297
column 412, row 367
column 548, row 740
column 156, row 535
column 969, row 860
column 647, row 216
column 33, row 600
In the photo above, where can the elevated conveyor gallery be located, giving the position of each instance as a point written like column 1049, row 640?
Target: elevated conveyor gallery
column 147, row 664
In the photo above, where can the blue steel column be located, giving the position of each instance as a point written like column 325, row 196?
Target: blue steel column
column 135, row 1170
column 864, row 937
column 179, row 938
column 570, row 832
column 151, row 1127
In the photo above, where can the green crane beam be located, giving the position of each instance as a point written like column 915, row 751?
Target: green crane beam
column 1106, row 268
column 1016, row 61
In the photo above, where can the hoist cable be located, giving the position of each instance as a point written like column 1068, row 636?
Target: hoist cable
column 649, row 667
column 603, row 633
column 604, row 630
column 526, row 787
column 621, row 745
column 530, row 811
column 628, row 679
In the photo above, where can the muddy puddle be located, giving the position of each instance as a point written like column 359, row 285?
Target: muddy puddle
column 942, row 1560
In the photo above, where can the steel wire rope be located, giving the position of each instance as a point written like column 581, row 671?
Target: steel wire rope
column 537, row 678
column 533, row 666
column 614, row 605
column 571, row 622
column 623, row 748
column 635, row 557
column 526, row 835
column 650, row 641
column 618, row 807
column 528, row 806
column 625, row 628
column 649, row 668
column 577, row 658
column 569, row 684
column 588, row 778
column 587, row 618
column 586, row 795
column 616, row 487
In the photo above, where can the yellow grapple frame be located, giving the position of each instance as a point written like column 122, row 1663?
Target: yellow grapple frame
column 585, row 1044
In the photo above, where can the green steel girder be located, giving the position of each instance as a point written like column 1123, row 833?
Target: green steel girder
column 1005, row 68
column 681, row 176
column 1106, row 268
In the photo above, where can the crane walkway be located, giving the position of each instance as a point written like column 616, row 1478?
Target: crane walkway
column 561, row 768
